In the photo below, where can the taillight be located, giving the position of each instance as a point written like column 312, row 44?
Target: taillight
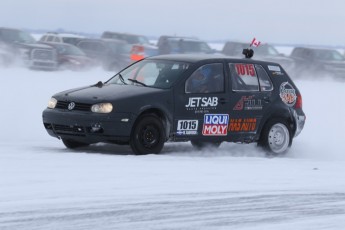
column 137, row 53
column 298, row 104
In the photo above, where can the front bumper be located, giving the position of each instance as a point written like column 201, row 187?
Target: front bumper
column 88, row 127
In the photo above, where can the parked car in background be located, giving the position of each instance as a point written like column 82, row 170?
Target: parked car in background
column 112, row 54
column 71, row 57
column 317, row 62
column 61, row 37
column 182, row 45
column 263, row 52
column 141, row 46
column 205, row 99
column 27, row 50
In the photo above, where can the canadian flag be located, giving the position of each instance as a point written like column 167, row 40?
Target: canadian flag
column 255, row 43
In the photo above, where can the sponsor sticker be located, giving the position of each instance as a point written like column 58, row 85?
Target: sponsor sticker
column 274, row 68
column 187, row 127
column 248, row 103
column 202, row 104
column 287, row 94
column 215, row 124
column 242, row 125
column 245, row 70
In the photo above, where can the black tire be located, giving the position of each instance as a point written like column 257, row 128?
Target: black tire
column 276, row 137
column 147, row 136
column 204, row 144
column 73, row 144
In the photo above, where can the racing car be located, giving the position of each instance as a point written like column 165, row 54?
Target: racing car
column 204, row 99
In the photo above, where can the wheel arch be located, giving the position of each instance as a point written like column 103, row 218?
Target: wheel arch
column 281, row 114
column 160, row 114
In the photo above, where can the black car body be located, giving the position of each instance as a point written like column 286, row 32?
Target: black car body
column 30, row 53
column 112, row 54
column 264, row 52
column 204, row 99
column 319, row 62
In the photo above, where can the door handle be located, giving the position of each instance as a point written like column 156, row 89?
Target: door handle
column 223, row 101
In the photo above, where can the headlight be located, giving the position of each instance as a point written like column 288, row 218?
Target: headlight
column 52, row 103
column 102, row 108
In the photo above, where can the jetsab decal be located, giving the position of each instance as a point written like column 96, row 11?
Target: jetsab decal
column 242, row 125
column 215, row 124
column 187, row 127
column 287, row 94
column 202, row 104
column 248, row 103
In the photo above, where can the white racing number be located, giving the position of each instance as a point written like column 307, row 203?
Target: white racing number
column 187, row 127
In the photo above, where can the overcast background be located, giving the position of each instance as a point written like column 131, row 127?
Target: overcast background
column 285, row 22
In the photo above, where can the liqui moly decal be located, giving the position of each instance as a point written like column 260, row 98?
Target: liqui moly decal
column 288, row 94
column 215, row 125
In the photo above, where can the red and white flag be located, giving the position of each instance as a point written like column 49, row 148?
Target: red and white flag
column 255, row 42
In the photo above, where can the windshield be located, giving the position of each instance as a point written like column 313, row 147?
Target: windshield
column 18, row 36
column 328, row 55
column 185, row 46
column 153, row 73
column 69, row 50
column 266, row 50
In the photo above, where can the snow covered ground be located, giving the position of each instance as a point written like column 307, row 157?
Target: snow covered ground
column 43, row 185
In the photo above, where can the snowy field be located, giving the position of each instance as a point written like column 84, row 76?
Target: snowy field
column 43, row 185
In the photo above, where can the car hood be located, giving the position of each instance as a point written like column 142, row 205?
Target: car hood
column 107, row 92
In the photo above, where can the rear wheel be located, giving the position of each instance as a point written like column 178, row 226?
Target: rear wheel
column 148, row 135
column 73, row 144
column 276, row 137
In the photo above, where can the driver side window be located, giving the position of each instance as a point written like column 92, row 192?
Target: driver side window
column 208, row 78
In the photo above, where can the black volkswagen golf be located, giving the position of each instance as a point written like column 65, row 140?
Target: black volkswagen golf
column 205, row 99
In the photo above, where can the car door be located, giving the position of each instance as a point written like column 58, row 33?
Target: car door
column 250, row 97
column 201, row 104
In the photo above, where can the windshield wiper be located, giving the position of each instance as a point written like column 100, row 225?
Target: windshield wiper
column 121, row 79
column 136, row 81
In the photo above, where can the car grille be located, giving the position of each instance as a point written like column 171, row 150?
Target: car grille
column 78, row 106
column 43, row 54
column 69, row 130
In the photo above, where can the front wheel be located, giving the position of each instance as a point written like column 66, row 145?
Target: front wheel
column 148, row 135
column 276, row 137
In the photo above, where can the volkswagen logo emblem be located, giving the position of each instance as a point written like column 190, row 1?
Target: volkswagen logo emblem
column 71, row 106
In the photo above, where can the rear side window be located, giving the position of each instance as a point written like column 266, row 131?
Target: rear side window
column 264, row 79
column 243, row 77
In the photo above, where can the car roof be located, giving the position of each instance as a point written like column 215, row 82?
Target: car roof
column 194, row 58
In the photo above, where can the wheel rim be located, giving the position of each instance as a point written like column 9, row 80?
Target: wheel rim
column 149, row 136
column 278, row 138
